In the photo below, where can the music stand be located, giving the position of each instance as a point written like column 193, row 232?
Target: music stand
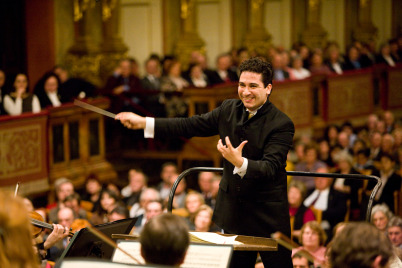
column 85, row 262
column 86, row 244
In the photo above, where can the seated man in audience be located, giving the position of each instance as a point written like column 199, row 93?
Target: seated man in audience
column 165, row 240
column 64, row 187
column 395, row 231
column 137, row 182
column 73, row 201
column 391, row 182
column 205, row 180
column 169, row 169
column 223, row 73
column 360, row 245
column 118, row 213
column 310, row 163
column 279, row 69
column 147, row 195
column 72, row 88
column 152, row 209
column 331, row 202
column 65, row 218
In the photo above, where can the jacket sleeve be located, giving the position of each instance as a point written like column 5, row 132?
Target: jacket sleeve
column 203, row 125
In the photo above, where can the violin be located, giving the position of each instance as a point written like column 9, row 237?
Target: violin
column 39, row 224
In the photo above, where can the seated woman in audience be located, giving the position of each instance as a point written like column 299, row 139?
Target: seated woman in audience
column 334, row 60
column 331, row 135
column 19, row 100
column 194, row 200
column 317, row 64
column 313, row 238
column 93, row 188
column 196, row 77
column 108, row 201
column 296, row 194
column 47, row 90
column 203, row 220
column 324, row 152
column 297, row 71
column 173, row 83
column 380, row 216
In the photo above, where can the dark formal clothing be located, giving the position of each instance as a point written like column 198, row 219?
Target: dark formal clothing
column 386, row 196
column 45, row 100
column 215, row 78
column 121, row 102
column 336, row 211
column 280, row 75
column 255, row 205
column 71, row 89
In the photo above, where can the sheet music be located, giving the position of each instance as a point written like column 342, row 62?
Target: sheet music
column 213, row 238
column 198, row 256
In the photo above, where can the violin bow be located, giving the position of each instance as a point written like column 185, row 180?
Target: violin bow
column 16, row 189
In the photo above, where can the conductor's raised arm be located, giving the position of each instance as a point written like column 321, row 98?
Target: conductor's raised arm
column 131, row 120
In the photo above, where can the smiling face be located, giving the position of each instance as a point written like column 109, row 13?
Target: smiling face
column 251, row 90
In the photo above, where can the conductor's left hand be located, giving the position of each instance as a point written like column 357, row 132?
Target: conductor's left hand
column 131, row 120
column 233, row 155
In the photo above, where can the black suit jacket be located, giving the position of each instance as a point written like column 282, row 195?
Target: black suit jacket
column 256, row 204
column 216, row 79
column 387, row 196
column 336, row 209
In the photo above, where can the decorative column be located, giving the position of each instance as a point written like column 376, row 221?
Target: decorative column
column 113, row 48
column 189, row 39
column 257, row 38
column 314, row 35
column 83, row 57
column 365, row 31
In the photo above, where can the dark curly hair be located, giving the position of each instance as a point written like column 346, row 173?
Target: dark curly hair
column 260, row 66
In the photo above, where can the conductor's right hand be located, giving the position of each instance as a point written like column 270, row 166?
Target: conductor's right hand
column 131, row 120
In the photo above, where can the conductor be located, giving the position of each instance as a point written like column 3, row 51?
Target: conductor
column 255, row 139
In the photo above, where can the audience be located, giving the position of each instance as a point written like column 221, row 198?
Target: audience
column 137, row 183
column 380, row 216
column 395, row 231
column 20, row 100
column 329, row 201
column 300, row 214
column 47, row 90
column 63, row 187
column 313, row 239
column 223, row 72
column 147, row 195
column 71, row 88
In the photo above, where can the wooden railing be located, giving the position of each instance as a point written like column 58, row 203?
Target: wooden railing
column 65, row 141
column 311, row 104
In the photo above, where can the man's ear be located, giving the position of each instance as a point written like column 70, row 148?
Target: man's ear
column 377, row 262
column 269, row 88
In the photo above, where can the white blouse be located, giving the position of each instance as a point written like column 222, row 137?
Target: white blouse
column 15, row 108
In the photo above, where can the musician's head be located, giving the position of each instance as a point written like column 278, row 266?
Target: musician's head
column 164, row 240
column 360, row 245
column 15, row 233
